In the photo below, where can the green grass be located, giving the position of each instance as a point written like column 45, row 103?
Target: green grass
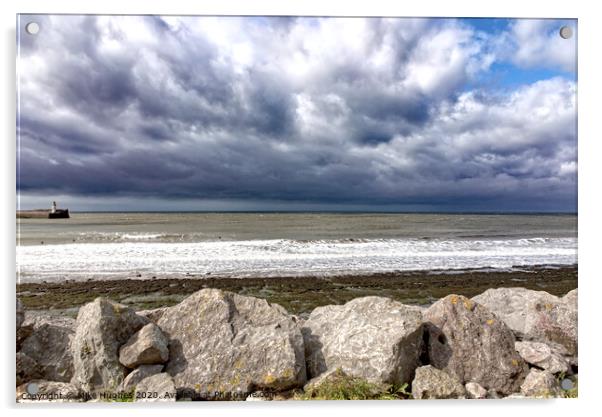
column 340, row 386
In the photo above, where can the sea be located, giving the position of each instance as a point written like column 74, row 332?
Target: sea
column 238, row 245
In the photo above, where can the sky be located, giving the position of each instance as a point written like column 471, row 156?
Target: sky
column 292, row 113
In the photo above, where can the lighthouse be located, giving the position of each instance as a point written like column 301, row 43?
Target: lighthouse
column 56, row 213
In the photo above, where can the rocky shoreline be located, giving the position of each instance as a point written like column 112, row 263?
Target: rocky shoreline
column 299, row 295
column 219, row 345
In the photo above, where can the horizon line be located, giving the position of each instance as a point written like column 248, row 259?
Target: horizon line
column 509, row 212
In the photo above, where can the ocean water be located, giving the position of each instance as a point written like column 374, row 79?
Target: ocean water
column 142, row 245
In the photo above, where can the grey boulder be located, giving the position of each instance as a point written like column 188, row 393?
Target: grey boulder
column 35, row 319
column 374, row 338
column 223, row 343
column 158, row 387
column 27, row 369
column 553, row 323
column 432, row 383
column 535, row 315
column 49, row 345
column 540, row 384
column 138, row 374
column 148, row 346
column 571, row 298
column 543, row 356
column 20, row 312
column 512, row 305
column 467, row 341
column 102, row 326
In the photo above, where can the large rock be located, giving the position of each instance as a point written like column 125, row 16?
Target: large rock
column 158, row 387
column 540, row 384
column 571, row 298
column 22, row 331
column 48, row 391
column 137, row 375
column 35, row 319
column 27, row 369
column 535, row 315
column 374, row 338
column 49, row 345
column 432, row 383
column 20, row 313
column 221, row 342
column 543, row 356
column 148, row 346
column 553, row 323
column 512, row 305
column 469, row 342
column 102, row 327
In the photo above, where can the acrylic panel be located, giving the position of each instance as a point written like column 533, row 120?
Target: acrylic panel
column 295, row 208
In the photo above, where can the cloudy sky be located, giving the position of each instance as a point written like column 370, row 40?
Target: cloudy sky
column 229, row 113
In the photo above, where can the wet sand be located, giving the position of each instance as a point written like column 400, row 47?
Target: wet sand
column 299, row 295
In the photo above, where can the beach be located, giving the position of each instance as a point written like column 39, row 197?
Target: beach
column 297, row 295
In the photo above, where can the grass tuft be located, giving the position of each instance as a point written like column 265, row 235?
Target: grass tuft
column 340, row 386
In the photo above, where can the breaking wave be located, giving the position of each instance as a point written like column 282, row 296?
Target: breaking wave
column 142, row 255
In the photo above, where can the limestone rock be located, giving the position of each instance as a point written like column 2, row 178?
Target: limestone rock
column 535, row 315
column 553, row 323
column 22, row 331
column 221, row 342
column 469, row 342
column 571, row 298
column 49, row 346
column 542, row 356
column 146, row 347
column 158, row 387
column 20, row 313
column 374, row 338
column 540, row 384
column 47, row 391
column 35, row 319
column 138, row 374
column 27, row 369
column 475, row 391
column 102, row 326
column 432, row 383
column 511, row 305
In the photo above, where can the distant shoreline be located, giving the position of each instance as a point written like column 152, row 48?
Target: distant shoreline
column 486, row 213
column 33, row 214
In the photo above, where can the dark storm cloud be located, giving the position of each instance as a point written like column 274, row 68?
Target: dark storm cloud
column 370, row 111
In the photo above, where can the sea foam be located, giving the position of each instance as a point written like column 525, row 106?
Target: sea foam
column 282, row 257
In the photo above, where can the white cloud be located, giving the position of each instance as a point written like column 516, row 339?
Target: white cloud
column 536, row 43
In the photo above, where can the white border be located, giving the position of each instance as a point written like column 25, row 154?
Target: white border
column 590, row 208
